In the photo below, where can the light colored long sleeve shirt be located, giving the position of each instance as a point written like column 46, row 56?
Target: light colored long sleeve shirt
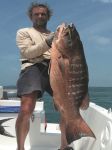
column 32, row 45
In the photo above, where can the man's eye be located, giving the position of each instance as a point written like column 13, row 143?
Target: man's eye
column 43, row 14
column 37, row 14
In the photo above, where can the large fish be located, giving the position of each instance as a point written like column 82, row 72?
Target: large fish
column 69, row 82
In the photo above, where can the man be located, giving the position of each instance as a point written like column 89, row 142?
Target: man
column 34, row 44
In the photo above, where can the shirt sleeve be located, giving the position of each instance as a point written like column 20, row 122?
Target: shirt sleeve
column 27, row 47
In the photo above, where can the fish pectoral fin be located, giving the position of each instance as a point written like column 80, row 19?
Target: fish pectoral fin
column 61, row 65
column 85, row 103
column 77, row 129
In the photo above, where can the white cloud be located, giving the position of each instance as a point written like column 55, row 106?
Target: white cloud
column 104, row 1
column 102, row 40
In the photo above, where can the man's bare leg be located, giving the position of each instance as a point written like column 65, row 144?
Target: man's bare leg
column 23, row 121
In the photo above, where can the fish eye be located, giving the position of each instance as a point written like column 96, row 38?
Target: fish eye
column 66, row 33
column 57, row 30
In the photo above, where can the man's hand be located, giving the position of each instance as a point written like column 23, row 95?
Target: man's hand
column 49, row 39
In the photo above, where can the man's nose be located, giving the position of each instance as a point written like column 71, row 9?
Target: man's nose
column 40, row 15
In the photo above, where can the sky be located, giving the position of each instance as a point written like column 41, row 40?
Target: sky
column 92, row 18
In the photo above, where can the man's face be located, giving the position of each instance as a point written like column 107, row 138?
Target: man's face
column 39, row 16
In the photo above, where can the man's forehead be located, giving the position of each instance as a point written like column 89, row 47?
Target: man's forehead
column 39, row 9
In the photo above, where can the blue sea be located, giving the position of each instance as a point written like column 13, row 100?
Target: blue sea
column 102, row 96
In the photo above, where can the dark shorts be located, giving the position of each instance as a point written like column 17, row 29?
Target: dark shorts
column 34, row 78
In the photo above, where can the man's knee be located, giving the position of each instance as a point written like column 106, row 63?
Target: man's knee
column 27, row 106
column 26, row 110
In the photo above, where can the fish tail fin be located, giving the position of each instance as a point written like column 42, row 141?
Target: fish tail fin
column 77, row 129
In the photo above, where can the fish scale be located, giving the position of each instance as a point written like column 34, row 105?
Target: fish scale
column 75, row 82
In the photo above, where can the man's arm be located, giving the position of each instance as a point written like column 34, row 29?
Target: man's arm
column 29, row 49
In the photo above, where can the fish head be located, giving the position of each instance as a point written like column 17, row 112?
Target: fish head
column 66, row 39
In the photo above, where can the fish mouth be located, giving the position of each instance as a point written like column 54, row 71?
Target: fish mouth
column 66, row 39
column 67, row 30
column 2, row 128
column 69, row 26
column 69, row 34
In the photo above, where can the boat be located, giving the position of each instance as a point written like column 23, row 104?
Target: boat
column 46, row 136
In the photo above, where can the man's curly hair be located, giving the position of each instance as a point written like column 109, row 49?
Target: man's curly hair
column 37, row 4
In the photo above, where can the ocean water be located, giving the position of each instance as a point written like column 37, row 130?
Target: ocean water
column 102, row 96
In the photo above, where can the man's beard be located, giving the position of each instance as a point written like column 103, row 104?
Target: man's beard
column 40, row 23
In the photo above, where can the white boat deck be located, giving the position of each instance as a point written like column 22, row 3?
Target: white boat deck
column 98, row 118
